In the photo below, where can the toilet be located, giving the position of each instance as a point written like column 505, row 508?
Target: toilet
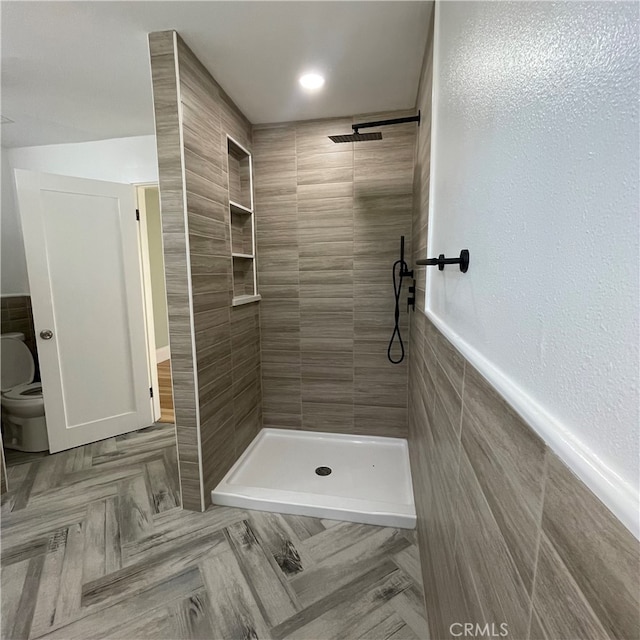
column 23, row 423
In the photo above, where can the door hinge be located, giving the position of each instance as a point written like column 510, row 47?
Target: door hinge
column 138, row 215
column 151, row 391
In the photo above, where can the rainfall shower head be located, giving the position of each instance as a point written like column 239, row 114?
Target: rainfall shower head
column 357, row 137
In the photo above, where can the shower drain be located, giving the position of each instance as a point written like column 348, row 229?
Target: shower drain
column 323, row 471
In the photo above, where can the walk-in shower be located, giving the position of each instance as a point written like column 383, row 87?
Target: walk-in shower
column 340, row 476
column 327, row 475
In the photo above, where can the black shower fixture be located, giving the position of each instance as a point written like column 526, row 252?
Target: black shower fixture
column 440, row 261
column 356, row 136
column 403, row 271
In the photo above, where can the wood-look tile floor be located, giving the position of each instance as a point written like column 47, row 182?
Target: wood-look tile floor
column 94, row 545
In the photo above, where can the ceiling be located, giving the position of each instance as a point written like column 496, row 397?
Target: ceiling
column 79, row 71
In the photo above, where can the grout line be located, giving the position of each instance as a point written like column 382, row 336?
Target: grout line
column 464, row 379
column 486, row 503
column 295, row 157
column 455, row 530
column 353, row 285
column 545, row 473
column 474, row 587
column 196, row 389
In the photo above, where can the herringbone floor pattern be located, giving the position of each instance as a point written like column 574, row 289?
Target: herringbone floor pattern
column 94, row 545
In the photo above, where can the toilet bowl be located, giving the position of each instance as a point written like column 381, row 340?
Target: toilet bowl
column 23, row 422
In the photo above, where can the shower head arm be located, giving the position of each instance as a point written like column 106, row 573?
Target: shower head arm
column 356, row 136
column 385, row 123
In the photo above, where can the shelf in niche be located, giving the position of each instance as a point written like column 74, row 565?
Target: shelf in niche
column 241, row 223
column 239, row 300
column 239, row 209
column 236, row 149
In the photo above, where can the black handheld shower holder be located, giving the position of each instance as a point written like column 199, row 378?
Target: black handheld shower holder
column 400, row 270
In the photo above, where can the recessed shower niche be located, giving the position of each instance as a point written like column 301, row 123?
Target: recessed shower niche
column 242, row 223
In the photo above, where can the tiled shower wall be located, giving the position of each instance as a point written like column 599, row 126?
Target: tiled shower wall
column 3, row 470
column 507, row 533
column 329, row 221
column 215, row 348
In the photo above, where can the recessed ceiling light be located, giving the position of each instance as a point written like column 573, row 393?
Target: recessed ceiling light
column 311, row 81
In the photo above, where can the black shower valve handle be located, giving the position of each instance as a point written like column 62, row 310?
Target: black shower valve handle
column 406, row 272
column 411, row 300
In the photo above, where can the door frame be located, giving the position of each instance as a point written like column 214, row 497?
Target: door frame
column 145, row 268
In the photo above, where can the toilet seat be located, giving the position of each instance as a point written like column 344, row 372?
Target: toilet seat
column 17, row 366
column 24, row 392
column 24, row 426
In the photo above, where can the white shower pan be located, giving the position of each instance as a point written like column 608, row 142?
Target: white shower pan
column 369, row 479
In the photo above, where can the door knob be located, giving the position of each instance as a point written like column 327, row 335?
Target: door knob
column 46, row 334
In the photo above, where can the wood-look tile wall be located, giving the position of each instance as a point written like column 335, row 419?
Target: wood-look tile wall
column 507, row 533
column 215, row 348
column 329, row 221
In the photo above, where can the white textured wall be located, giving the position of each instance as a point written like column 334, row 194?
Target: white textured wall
column 536, row 148
column 128, row 160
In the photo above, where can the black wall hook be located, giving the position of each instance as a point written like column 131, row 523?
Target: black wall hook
column 463, row 261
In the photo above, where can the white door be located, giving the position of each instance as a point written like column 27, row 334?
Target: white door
column 83, row 262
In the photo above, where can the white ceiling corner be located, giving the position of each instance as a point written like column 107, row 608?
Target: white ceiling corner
column 79, row 71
